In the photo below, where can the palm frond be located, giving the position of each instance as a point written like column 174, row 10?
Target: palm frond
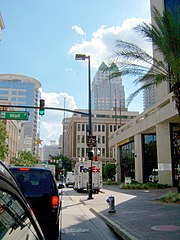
column 148, row 70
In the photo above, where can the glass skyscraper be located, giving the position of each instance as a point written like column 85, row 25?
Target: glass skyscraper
column 21, row 90
column 107, row 92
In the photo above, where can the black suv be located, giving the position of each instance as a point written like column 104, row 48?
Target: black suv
column 41, row 191
column 17, row 220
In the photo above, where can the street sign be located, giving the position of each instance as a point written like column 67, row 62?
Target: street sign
column 14, row 115
column 91, row 141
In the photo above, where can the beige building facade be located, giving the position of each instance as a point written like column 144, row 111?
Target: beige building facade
column 12, row 133
column 152, row 139
column 104, row 122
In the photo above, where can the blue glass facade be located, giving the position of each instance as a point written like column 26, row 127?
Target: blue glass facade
column 172, row 4
column 19, row 92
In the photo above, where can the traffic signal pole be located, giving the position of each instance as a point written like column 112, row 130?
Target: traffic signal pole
column 48, row 108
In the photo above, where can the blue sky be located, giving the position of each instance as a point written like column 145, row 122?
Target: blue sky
column 41, row 38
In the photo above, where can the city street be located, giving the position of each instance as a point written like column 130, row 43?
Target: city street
column 77, row 222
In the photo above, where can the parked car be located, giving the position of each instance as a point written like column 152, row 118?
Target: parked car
column 17, row 220
column 39, row 187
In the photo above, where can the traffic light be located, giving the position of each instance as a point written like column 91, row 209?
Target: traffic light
column 41, row 107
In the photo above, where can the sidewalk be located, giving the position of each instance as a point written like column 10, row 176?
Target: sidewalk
column 138, row 216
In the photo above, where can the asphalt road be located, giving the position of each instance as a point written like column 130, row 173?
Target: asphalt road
column 78, row 223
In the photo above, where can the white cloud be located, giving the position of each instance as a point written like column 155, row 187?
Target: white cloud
column 51, row 122
column 78, row 30
column 100, row 47
column 102, row 44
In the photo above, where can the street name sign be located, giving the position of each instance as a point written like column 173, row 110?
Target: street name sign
column 7, row 115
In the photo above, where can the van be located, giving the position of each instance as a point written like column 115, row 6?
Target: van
column 70, row 179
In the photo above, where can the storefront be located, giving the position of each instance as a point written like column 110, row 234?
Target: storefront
column 127, row 161
column 149, row 151
column 175, row 146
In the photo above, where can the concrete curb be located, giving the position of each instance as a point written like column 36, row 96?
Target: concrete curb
column 117, row 229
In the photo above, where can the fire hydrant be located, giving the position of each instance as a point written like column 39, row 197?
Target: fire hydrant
column 111, row 202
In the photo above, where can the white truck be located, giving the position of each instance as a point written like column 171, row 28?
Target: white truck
column 81, row 176
column 69, row 179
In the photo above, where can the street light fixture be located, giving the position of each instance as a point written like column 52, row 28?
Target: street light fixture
column 90, row 154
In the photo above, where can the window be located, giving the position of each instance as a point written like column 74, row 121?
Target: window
column 103, row 152
column 83, row 138
column 11, row 210
column 2, row 91
column 110, row 128
column 103, row 128
column 171, row 4
column 78, row 138
column 99, row 139
column 95, row 128
column 99, row 128
column 78, row 152
column 79, row 127
column 83, row 127
column 111, row 152
column 82, row 152
column 103, row 139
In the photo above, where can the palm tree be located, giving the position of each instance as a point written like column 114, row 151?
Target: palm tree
column 165, row 37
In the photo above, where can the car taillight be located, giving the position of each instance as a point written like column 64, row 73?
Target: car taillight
column 55, row 201
column 24, row 169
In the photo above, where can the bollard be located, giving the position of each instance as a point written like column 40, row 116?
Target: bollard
column 111, row 202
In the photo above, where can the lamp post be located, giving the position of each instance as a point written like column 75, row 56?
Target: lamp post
column 90, row 154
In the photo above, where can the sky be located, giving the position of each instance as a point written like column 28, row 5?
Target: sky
column 41, row 38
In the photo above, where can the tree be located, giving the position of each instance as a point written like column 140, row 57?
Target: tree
column 3, row 145
column 25, row 158
column 148, row 70
column 109, row 171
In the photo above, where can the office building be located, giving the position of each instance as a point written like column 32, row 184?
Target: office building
column 104, row 122
column 49, row 151
column 21, row 90
column 107, row 91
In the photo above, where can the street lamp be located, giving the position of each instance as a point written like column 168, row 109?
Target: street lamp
column 90, row 154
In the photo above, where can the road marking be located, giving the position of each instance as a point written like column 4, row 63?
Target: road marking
column 165, row 228
column 75, row 230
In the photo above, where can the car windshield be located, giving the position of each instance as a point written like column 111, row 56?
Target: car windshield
column 34, row 182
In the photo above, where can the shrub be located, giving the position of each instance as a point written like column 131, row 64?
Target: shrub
column 110, row 182
column 143, row 186
column 170, row 197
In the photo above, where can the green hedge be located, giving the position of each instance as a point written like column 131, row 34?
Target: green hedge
column 143, row 186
